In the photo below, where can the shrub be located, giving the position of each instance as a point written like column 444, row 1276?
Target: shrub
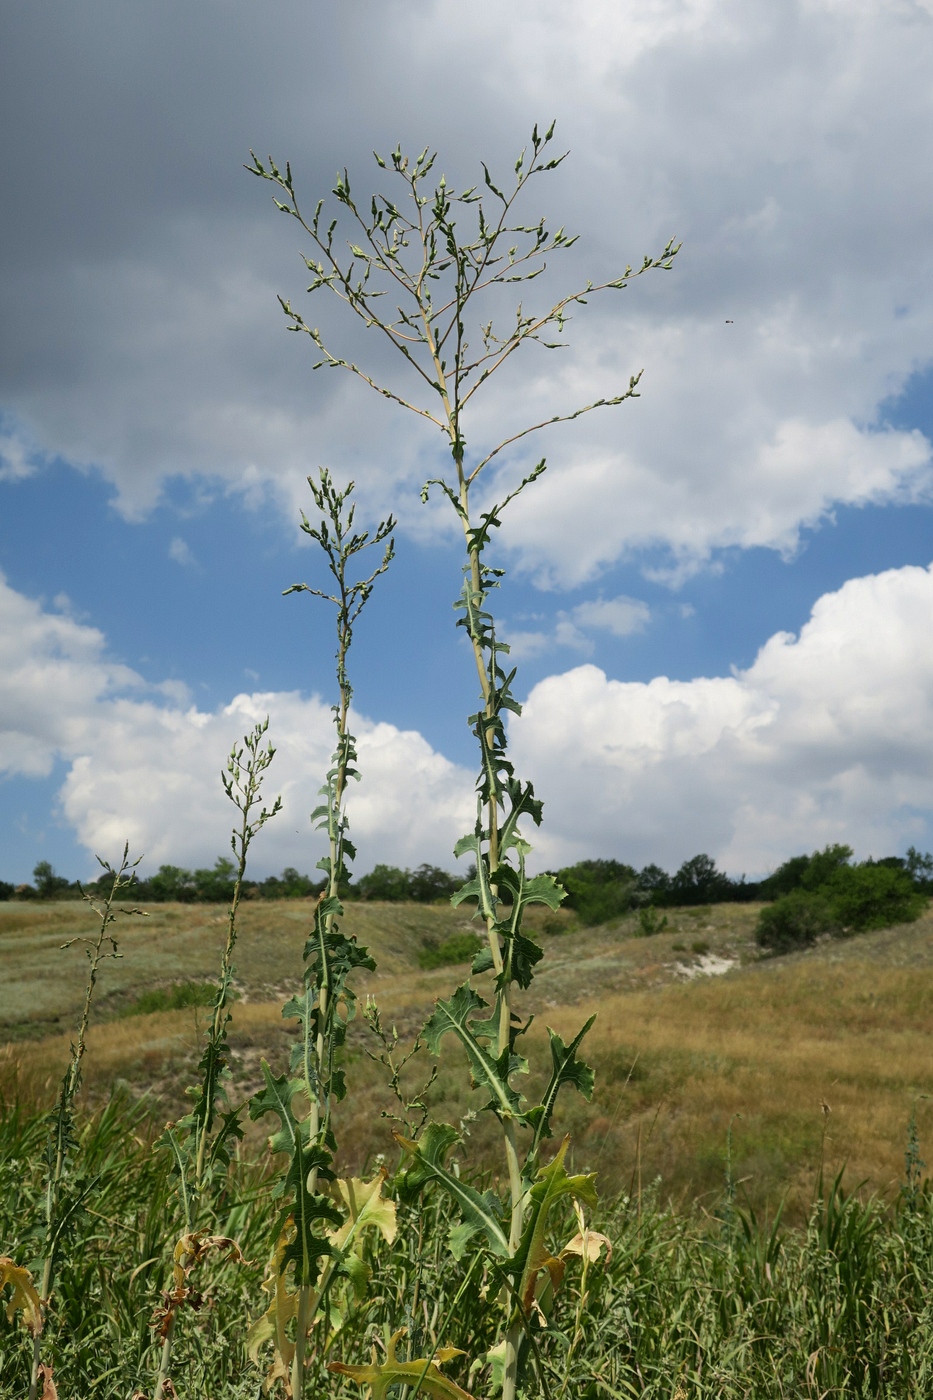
column 824, row 865
column 215, row 886
column 599, row 890
column 7, row 891
column 291, row 884
column 834, row 896
column 52, row 886
column 650, row 922
column 458, row 949
column 805, row 872
column 920, row 869
column 795, row 921
column 873, row 896
column 170, row 884
column 424, row 885
column 385, row 882
column 429, row 883
column 174, row 998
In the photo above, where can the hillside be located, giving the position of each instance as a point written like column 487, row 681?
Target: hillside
column 694, row 1031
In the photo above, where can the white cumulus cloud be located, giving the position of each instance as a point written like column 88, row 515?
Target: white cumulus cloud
column 826, row 737
column 144, row 764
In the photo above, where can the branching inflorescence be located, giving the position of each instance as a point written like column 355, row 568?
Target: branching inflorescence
column 409, row 274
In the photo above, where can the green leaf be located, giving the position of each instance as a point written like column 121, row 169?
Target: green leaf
column 276, row 1098
column 480, row 1213
column 565, row 1069
column 553, row 1184
column 308, row 1247
column 486, row 1069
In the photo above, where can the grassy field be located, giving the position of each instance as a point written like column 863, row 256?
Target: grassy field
column 815, row 1057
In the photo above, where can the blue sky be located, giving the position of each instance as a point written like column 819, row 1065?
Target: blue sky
column 157, row 426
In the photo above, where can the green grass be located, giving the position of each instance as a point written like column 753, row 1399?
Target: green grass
column 458, row 949
column 174, row 998
column 709, row 1303
column 849, row 1023
column 702, row 1297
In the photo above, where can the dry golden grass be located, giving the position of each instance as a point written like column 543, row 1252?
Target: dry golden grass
column 847, row 1025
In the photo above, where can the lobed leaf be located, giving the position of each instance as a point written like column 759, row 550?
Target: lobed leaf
column 480, row 1213
column 486, row 1069
column 565, row 1069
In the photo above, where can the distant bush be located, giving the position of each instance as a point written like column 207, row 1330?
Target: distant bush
column 873, row 896
column 830, row 895
column 385, row 882
column 7, row 891
column 599, row 890
column 794, row 921
column 650, row 922
column 458, row 949
column 786, row 878
column 51, row 886
column 698, row 881
column 173, row 998
column 291, row 884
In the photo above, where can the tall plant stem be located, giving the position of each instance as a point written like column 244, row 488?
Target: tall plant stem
column 218, row 1019
column 200, row 1145
column 61, row 1124
column 416, row 277
column 336, row 537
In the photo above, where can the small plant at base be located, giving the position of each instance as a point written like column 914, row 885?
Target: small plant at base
column 321, row 1232
column 651, row 922
column 417, row 253
column 61, row 1139
column 201, row 1148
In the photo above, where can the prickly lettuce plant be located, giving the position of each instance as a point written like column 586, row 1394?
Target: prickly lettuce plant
column 65, row 1194
column 446, row 287
column 319, row 1250
column 200, row 1142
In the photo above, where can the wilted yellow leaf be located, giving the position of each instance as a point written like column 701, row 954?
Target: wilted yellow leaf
column 422, row 1373
column 587, row 1244
column 365, row 1206
column 49, row 1389
column 25, row 1298
column 270, row 1327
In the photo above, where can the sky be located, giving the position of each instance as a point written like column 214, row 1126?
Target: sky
column 719, row 596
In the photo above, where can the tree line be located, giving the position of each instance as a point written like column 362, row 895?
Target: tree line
column 174, row 883
column 810, row 893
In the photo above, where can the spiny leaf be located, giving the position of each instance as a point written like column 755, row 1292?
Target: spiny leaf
column 480, row 1214
column 366, row 1208
column 271, row 1325
column 565, row 1069
column 486, row 1069
column 276, row 1098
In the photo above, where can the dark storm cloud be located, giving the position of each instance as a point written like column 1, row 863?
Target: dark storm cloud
column 140, row 262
